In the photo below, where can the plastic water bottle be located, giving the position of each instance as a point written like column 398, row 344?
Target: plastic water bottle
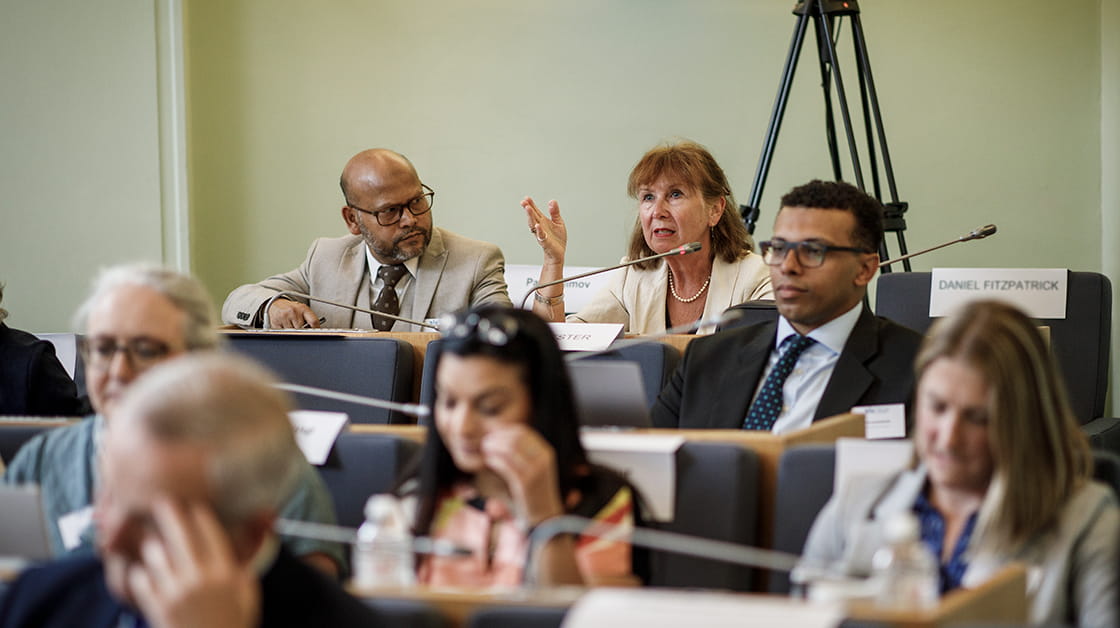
column 905, row 568
column 382, row 556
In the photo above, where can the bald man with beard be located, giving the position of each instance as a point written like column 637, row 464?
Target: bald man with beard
column 394, row 260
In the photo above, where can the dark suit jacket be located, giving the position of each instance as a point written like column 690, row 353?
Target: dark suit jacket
column 715, row 381
column 32, row 380
column 72, row 592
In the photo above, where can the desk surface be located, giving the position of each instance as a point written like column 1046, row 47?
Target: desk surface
column 1001, row 600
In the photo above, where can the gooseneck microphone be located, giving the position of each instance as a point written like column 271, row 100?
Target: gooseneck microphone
column 685, row 249
column 674, row 542
column 290, row 293
column 978, row 233
column 414, row 409
column 341, row 534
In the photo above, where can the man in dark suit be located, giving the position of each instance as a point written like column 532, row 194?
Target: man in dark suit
column 826, row 353
column 32, row 380
column 197, row 463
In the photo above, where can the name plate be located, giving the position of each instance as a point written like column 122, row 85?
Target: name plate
column 649, row 462
column 1039, row 292
column 585, row 336
column 316, row 432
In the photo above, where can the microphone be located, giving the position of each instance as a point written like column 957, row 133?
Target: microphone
column 349, row 536
column 677, row 543
column 414, row 409
column 978, row 233
column 685, row 249
column 289, row 293
column 726, row 316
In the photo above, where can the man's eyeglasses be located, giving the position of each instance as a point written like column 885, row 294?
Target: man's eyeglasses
column 141, row 352
column 809, row 254
column 392, row 215
column 495, row 329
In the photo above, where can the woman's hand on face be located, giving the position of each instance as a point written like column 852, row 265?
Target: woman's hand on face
column 549, row 231
column 527, row 464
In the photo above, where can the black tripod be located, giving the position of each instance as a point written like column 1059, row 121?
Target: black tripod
column 825, row 15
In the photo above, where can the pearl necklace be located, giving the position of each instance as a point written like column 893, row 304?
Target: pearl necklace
column 676, row 296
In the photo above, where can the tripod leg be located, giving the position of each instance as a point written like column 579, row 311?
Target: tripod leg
column 865, row 71
column 826, row 90
column 842, row 99
column 779, row 111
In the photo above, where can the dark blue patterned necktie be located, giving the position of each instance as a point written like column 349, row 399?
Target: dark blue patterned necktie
column 768, row 405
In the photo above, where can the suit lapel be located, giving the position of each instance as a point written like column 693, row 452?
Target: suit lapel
column 738, row 383
column 851, row 379
column 428, row 273
column 352, row 287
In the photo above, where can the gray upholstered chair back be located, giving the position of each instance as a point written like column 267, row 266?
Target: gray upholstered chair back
column 716, row 498
column 805, row 477
column 381, row 368
column 360, row 465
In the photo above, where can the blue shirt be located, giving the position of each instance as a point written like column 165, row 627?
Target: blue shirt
column 933, row 535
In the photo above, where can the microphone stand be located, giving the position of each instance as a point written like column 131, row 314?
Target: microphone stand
column 290, row 293
column 349, row 536
column 691, row 247
column 978, row 233
column 414, row 409
column 696, row 547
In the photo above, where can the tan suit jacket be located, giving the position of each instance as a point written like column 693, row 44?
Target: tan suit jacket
column 453, row 273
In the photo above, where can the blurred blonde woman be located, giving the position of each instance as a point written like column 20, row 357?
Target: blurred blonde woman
column 1003, row 475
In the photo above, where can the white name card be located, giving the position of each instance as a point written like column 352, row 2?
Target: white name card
column 648, row 461
column 857, row 458
column 577, row 292
column 1040, row 292
column 316, row 432
column 608, row 607
column 585, row 336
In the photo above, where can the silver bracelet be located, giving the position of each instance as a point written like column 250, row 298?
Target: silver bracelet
column 549, row 301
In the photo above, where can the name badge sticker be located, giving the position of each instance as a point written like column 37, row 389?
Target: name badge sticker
column 73, row 524
column 886, row 420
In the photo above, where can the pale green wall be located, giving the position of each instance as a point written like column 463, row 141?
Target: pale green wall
column 1110, row 169
column 79, row 150
column 992, row 116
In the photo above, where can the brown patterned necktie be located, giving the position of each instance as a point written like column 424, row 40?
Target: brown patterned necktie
column 387, row 300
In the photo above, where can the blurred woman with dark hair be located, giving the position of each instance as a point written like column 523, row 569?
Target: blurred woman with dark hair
column 683, row 196
column 1004, row 475
column 503, row 454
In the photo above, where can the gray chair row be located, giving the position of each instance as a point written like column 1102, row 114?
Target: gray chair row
column 378, row 367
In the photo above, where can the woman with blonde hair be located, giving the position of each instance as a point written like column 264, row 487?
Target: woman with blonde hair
column 1004, row 475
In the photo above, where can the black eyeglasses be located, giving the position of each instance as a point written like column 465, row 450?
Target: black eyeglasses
column 392, row 215
column 809, row 254
column 496, row 328
column 141, row 352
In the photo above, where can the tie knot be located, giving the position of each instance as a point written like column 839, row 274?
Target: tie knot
column 794, row 344
column 390, row 275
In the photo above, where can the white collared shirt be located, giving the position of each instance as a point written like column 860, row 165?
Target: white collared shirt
column 402, row 285
column 804, row 387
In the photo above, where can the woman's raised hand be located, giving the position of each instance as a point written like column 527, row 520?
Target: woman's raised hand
column 549, row 230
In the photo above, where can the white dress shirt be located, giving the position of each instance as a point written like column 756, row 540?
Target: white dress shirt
column 804, row 387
